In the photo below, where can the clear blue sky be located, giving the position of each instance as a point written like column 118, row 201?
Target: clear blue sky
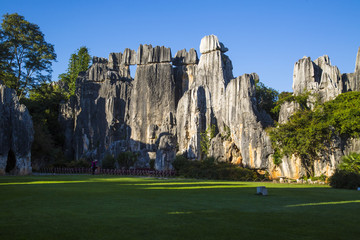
column 266, row 37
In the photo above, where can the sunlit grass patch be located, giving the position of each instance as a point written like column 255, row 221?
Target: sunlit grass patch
column 111, row 207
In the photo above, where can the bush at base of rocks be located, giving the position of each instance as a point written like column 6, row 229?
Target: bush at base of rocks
column 345, row 179
column 209, row 168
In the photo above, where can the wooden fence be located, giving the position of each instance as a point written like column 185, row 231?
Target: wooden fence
column 101, row 171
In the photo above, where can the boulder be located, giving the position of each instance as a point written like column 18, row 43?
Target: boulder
column 16, row 134
column 166, row 152
column 211, row 43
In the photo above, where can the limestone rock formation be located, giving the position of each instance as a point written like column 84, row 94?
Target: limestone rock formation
column 352, row 80
column 318, row 77
column 16, row 134
column 229, row 105
column 94, row 120
column 201, row 106
column 357, row 63
column 173, row 102
column 245, row 122
column 152, row 96
column 322, row 79
column 194, row 115
column 185, row 65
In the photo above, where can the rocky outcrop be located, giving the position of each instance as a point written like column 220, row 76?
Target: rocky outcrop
column 245, row 122
column 173, row 102
column 352, row 80
column 94, row 120
column 194, row 114
column 215, row 72
column 324, row 81
column 16, row 134
column 152, row 97
column 185, row 66
column 201, row 106
column 318, row 77
column 357, row 63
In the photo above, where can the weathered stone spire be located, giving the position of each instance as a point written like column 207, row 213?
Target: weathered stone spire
column 357, row 64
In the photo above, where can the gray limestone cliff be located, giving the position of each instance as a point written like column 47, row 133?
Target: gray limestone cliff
column 245, row 122
column 172, row 101
column 94, row 120
column 216, row 99
column 16, row 134
column 321, row 79
column 318, row 77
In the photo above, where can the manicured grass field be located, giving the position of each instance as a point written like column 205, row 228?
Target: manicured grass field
column 107, row 207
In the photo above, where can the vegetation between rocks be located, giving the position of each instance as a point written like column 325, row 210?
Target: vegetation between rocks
column 347, row 175
column 309, row 133
column 209, row 168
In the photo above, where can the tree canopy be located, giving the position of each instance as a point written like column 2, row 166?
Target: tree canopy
column 266, row 98
column 309, row 132
column 78, row 62
column 25, row 56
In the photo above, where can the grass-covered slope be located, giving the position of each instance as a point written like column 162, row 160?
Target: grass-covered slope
column 105, row 207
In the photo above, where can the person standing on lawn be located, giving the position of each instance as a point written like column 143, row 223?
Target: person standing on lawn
column 93, row 166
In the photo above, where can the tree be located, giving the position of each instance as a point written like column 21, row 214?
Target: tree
column 43, row 105
column 79, row 62
column 25, row 56
column 310, row 133
column 266, row 98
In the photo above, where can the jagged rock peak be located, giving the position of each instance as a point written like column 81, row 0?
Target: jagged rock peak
column 99, row 60
column 211, row 43
column 323, row 60
column 160, row 55
column 147, row 54
column 129, row 57
column 357, row 64
column 183, row 57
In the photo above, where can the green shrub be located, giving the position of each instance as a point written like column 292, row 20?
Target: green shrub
column 80, row 163
column 152, row 164
column 127, row 159
column 206, row 137
column 310, row 132
column 351, row 163
column 108, row 162
column 345, row 179
column 180, row 163
column 209, row 168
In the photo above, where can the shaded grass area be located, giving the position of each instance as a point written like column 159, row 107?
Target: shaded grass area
column 107, row 207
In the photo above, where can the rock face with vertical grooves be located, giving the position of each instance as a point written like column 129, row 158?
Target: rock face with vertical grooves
column 318, row 77
column 185, row 66
column 172, row 102
column 94, row 119
column 16, row 134
column 245, row 122
column 152, row 97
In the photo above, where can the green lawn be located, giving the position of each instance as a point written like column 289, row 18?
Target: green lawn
column 108, row 207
